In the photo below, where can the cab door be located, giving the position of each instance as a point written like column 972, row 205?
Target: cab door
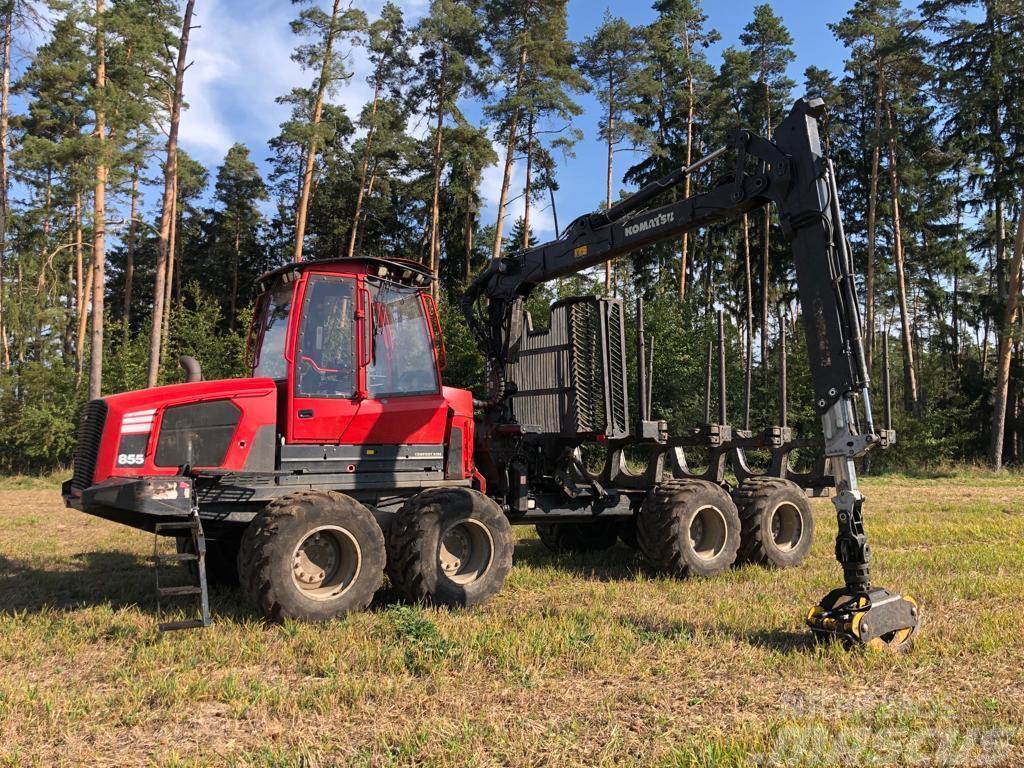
column 323, row 385
column 404, row 403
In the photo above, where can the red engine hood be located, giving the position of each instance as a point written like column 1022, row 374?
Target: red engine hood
column 175, row 394
column 134, row 419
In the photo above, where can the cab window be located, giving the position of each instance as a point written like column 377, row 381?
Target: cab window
column 273, row 331
column 325, row 358
column 402, row 361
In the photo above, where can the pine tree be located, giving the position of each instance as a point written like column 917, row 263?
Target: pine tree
column 167, row 209
column 979, row 62
column 537, row 75
column 384, row 123
column 870, row 31
column 328, row 33
column 609, row 59
column 673, row 98
column 768, row 43
column 238, row 191
column 451, row 66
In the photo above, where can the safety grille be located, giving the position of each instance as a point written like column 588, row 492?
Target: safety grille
column 619, row 421
column 570, row 380
column 90, row 435
column 585, row 329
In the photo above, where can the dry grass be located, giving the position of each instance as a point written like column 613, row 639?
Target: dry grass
column 581, row 661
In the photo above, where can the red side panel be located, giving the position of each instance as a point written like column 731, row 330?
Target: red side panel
column 414, row 419
column 138, row 414
column 460, row 403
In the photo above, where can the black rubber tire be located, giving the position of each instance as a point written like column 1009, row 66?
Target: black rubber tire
column 664, row 528
column 414, row 547
column 593, row 536
column 757, row 499
column 627, row 533
column 265, row 556
column 221, row 560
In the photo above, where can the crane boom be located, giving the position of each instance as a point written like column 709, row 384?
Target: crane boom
column 790, row 172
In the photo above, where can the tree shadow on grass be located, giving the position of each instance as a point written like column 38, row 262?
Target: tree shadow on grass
column 781, row 640
column 117, row 579
column 618, row 563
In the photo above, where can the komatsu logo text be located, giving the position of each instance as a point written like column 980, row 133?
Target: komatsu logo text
column 652, row 223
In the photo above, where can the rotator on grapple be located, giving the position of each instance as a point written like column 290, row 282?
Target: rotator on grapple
column 790, row 172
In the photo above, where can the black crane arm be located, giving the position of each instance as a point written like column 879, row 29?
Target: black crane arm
column 789, row 171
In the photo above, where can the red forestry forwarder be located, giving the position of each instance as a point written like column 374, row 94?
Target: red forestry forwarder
column 345, row 457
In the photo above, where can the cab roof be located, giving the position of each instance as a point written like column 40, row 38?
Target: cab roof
column 403, row 271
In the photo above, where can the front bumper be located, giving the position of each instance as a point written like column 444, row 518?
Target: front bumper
column 139, row 502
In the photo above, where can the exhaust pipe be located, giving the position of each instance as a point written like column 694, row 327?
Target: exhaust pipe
column 193, row 372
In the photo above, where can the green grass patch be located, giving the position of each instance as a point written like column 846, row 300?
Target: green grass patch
column 580, row 661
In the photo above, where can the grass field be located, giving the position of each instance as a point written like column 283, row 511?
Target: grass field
column 580, row 661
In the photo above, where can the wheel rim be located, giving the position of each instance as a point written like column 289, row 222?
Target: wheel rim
column 465, row 551
column 708, row 532
column 326, row 562
column 787, row 526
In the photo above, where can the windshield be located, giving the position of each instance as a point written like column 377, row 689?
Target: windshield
column 403, row 353
column 273, row 330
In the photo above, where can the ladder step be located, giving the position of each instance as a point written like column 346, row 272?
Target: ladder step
column 177, row 557
column 184, row 525
column 171, row 626
column 180, row 591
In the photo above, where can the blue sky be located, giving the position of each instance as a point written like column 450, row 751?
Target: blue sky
column 241, row 63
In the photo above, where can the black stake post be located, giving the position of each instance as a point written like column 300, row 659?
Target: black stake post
column 887, row 393
column 707, row 386
column 650, row 380
column 641, row 363
column 783, row 398
column 722, row 416
column 747, row 379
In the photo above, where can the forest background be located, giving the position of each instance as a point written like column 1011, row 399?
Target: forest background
column 454, row 131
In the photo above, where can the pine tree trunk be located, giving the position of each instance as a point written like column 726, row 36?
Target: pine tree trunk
column 5, row 93
column 172, row 250
column 435, row 200
column 510, row 155
column 367, row 151
column 318, row 109
column 361, row 224
column 99, row 216
column 869, row 278
column 749, row 372
column 467, row 238
column 767, row 247
column 999, row 397
column 83, row 291
column 909, row 375
column 527, row 188
column 129, row 265
column 167, row 208
column 236, row 257
column 684, row 247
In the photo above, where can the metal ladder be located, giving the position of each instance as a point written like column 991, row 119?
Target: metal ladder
column 197, row 589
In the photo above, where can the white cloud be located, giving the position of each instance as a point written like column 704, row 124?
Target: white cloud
column 241, row 62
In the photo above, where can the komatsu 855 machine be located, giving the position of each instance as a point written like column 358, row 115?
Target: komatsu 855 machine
column 344, row 457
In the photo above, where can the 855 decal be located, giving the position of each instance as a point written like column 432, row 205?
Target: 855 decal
column 132, row 450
